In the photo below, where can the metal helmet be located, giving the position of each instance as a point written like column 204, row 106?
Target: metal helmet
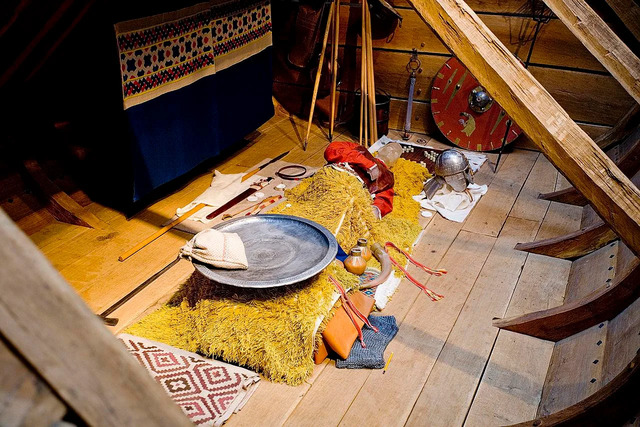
column 479, row 100
column 453, row 166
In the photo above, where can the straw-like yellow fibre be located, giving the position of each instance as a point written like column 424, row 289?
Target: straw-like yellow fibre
column 272, row 330
column 269, row 331
column 335, row 198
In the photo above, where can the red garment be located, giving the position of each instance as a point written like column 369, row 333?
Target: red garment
column 359, row 158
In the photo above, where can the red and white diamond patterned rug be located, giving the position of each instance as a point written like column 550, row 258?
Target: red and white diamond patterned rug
column 207, row 390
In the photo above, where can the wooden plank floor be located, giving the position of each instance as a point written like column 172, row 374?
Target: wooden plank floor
column 450, row 366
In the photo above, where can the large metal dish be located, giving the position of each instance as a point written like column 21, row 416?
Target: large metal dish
column 281, row 250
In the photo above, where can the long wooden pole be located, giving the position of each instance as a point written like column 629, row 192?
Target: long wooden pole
column 334, row 67
column 362, row 74
column 160, row 232
column 318, row 73
column 373, row 123
column 363, row 93
column 568, row 147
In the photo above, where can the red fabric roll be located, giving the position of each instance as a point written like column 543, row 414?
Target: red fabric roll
column 359, row 158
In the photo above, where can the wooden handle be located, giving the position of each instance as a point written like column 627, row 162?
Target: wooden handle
column 248, row 175
column 269, row 201
column 160, row 232
column 334, row 66
column 318, row 73
column 362, row 79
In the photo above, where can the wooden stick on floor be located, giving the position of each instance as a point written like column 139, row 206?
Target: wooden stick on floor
column 160, row 232
column 362, row 76
column 334, row 67
column 361, row 96
column 363, row 90
column 318, row 73
column 371, row 82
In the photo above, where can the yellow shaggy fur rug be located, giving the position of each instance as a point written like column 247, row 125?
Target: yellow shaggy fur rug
column 272, row 330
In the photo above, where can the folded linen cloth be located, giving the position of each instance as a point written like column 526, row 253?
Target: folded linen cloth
column 224, row 187
column 221, row 250
column 208, row 391
column 372, row 356
column 452, row 205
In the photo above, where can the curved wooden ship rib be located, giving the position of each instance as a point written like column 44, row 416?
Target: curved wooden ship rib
column 622, row 129
column 596, row 233
column 613, row 404
column 628, row 161
column 593, row 234
column 589, row 330
column 592, row 302
column 569, row 196
column 572, row 245
column 610, row 297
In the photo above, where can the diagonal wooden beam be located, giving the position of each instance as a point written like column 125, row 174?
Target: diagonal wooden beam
column 35, row 41
column 601, row 41
column 567, row 146
column 48, row 325
column 629, row 13
column 60, row 204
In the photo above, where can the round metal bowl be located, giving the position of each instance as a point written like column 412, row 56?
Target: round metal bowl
column 281, row 250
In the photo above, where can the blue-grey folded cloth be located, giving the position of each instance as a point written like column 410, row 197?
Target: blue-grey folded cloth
column 372, row 356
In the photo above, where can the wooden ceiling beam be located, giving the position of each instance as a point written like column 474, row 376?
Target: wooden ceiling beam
column 629, row 13
column 48, row 325
column 567, row 146
column 601, row 41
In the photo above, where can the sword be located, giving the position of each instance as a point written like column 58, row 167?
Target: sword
column 259, row 168
column 240, row 197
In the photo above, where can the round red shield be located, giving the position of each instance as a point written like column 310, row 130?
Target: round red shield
column 465, row 114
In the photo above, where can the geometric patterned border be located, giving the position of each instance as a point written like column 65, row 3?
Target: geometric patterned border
column 241, row 33
column 208, row 391
column 166, row 52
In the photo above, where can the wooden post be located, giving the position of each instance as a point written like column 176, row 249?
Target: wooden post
column 363, row 72
column 371, row 86
column 567, row 146
column 51, row 328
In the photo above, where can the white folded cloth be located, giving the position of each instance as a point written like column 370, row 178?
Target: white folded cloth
column 221, row 250
column 224, row 187
column 475, row 159
column 452, row 205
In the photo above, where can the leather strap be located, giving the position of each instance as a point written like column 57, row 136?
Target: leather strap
column 351, row 309
column 434, row 296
